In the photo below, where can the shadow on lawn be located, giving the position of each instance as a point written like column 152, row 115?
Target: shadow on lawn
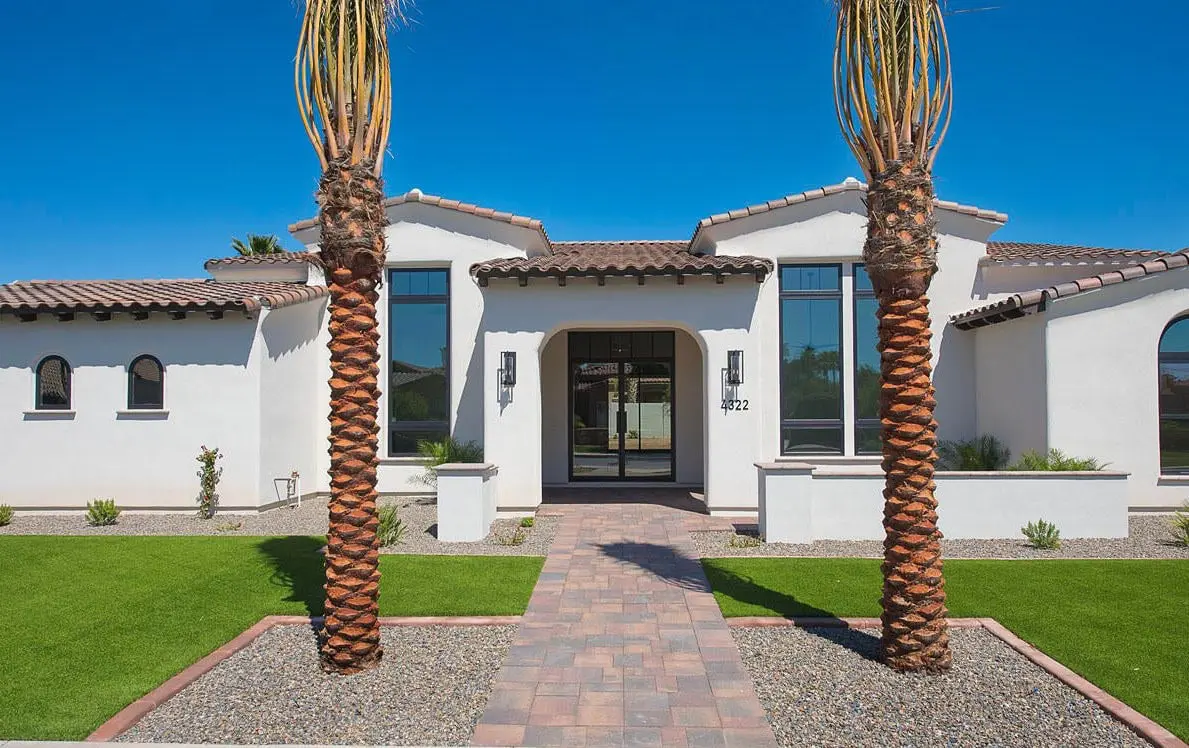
column 297, row 565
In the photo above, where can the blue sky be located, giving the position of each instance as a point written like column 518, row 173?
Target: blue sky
column 144, row 134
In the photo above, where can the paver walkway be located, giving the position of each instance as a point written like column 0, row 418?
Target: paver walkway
column 623, row 644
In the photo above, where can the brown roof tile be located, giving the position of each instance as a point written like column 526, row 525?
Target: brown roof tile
column 28, row 297
column 277, row 258
column 1031, row 253
column 1021, row 304
column 630, row 258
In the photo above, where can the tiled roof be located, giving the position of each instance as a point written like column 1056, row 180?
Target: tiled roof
column 140, row 296
column 276, row 258
column 630, row 258
column 850, row 185
column 1020, row 304
column 417, row 196
column 1028, row 253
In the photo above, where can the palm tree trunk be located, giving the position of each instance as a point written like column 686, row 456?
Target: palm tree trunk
column 901, row 257
column 352, row 250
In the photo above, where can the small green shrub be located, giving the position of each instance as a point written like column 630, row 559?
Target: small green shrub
column 5, row 515
column 981, row 453
column 229, row 526
column 1056, row 461
column 526, row 521
column 392, row 527
column 442, row 453
column 503, row 537
column 208, row 481
column 1179, row 522
column 744, row 541
column 102, row 512
column 1042, row 535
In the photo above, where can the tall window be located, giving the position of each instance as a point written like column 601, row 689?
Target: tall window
column 146, row 384
column 866, row 365
column 1174, row 398
column 53, row 384
column 419, row 358
column 810, row 359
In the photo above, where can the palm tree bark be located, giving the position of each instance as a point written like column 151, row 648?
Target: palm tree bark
column 901, row 258
column 352, row 250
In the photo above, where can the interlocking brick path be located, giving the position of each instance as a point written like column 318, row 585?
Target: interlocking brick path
column 623, row 644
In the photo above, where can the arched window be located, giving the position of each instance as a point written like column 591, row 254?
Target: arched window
column 1174, row 397
column 146, row 384
column 53, row 384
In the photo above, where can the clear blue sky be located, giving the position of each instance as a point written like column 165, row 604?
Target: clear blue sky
column 142, row 135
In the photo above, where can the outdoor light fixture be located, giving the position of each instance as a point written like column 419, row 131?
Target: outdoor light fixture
column 508, row 368
column 734, row 367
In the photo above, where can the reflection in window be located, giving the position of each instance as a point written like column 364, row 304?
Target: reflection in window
column 146, row 384
column 419, row 358
column 1174, row 398
column 53, row 384
column 866, row 365
column 811, row 365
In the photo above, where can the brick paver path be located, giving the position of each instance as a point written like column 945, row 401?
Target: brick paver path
column 623, row 644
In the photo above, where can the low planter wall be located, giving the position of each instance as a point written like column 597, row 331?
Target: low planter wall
column 466, row 501
column 799, row 503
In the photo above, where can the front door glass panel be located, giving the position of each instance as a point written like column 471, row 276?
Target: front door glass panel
column 648, row 404
column 594, row 437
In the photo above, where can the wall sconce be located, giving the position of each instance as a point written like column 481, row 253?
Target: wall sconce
column 734, row 367
column 507, row 371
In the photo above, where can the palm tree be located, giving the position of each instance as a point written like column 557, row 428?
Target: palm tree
column 893, row 93
column 344, row 93
column 257, row 244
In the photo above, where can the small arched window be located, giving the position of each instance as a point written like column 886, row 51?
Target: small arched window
column 146, row 384
column 1174, row 397
column 53, row 384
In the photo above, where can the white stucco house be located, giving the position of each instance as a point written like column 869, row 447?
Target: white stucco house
column 731, row 363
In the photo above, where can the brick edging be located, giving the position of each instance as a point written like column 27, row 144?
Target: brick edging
column 1146, row 728
column 137, row 710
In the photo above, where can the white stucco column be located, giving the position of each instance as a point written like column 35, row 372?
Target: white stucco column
column 512, row 418
column 732, row 434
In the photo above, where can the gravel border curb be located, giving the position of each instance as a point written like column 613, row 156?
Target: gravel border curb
column 1139, row 724
column 139, row 709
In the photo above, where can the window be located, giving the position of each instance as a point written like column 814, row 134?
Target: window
column 1174, row 398
column 146, row 384
column 419, row 358
column 866, row 365
column 810, row 359
column 53, row 384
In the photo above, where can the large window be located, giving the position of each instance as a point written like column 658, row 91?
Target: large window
column 1174, row 398
column 419, row 358
column 53, row 384
column 810, row 359
column 146, row 384
column 866, row 365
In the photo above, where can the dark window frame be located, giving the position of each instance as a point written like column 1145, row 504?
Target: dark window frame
column 132, row 404
column 809, row 423
column 857, row 295
column 425, row 427
column 67, row 382
column 1162, row 357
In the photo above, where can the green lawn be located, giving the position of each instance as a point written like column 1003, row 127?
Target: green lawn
column 93, row 623
column 1124, row 625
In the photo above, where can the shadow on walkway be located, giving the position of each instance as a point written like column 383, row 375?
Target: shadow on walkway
column 674, row 498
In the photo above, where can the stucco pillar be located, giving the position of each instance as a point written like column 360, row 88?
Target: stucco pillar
column 732, row 433
column 512, row 418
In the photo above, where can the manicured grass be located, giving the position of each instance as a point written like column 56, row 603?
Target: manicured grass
column 94, row 623
column 1124, row 625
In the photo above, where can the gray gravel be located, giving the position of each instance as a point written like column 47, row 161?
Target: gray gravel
column 820, row 687
column 1150, row 537
column 430, row 689
column 419, row 514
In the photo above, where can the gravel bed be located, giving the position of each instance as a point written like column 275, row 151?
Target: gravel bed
column 821, row 687
column 430, row 689
column 418, row 514
column 1150, row 537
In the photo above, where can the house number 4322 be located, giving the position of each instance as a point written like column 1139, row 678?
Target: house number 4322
column 729, row 405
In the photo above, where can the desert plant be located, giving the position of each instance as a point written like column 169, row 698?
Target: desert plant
column 229, row 526
column 1179, row 522
column 1042, row 535
column 1055, row 461
column 392, row 527
column 101, row 512
column 516, row 537
column 981, row 453
column 444, row 452
column 526, row 521
column 5, row 515
column 744, row 541
column 257, row 244
column 209, row 475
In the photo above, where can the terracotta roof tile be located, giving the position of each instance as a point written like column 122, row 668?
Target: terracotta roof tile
column 278, row 258
column 29, row 297
column 1021, row 304
column 1031, row 253
column 630, row 258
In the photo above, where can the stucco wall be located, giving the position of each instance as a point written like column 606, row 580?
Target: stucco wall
column 1010, row 382
column 555, row 410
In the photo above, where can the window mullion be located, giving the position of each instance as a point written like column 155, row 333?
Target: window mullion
column 847, row 350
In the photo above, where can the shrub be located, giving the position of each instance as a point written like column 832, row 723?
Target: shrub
column 1056, row 461
column 229, row 527
column 441, row 453
column 208, row 481
column 1180, row 525
column 516, row 537
column 744, row 541
column 392, row 527
column 526, row 521
column 1042, row 535
column 981, row 453
column 101, row 512
column 5, row 515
